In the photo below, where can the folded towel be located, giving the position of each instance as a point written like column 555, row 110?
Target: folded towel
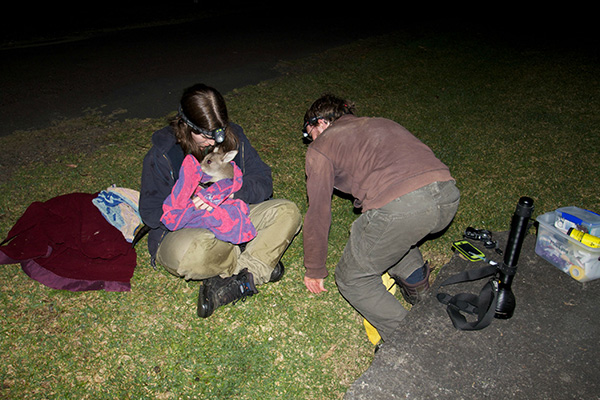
column 228, row 220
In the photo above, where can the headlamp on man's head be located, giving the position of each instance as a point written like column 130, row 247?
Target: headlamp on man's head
column 312, row 121
column 218, row 135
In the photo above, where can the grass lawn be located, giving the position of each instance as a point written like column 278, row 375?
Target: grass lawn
column 509, row 119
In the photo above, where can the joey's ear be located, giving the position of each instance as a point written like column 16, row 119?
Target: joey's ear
column 230, row 155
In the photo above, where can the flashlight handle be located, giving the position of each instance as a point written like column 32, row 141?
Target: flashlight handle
column 518, row 230
column 506, row 303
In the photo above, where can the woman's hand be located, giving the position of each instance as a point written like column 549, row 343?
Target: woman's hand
column 315, row 286
column 200, row 205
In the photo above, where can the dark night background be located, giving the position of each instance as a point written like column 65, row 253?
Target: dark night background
column 27, row 20
column 34, row 20
column 48, row 72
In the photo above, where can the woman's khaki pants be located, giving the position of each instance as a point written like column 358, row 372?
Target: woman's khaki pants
column 196, row 254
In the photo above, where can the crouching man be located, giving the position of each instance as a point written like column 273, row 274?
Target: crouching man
column 405, row 194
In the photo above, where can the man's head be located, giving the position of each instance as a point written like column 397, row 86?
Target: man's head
column 323, row 112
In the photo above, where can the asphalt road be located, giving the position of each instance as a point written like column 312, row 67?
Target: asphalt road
column 144, row 70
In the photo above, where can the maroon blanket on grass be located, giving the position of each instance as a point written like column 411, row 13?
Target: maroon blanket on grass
column 66, row 243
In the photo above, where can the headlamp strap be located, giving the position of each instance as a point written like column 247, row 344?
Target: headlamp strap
column 218, row 134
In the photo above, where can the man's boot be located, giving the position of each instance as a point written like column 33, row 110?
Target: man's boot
column 415, row 287
column 216, row 291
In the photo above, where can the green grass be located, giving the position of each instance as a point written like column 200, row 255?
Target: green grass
column 510, row 121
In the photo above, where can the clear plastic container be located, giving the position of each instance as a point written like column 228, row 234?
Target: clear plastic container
column 574, row 258
column 577, row 218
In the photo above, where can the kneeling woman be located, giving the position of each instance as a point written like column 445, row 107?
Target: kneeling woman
column 229, row 272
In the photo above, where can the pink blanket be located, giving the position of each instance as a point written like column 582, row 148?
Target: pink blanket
column 228, row 220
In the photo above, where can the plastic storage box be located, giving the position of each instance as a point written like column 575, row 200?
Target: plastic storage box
column 577, row 218
column 581, row 262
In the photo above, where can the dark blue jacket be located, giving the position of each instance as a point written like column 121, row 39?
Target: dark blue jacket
column 161, row 169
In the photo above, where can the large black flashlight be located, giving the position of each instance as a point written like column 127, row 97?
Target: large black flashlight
column 507, row 270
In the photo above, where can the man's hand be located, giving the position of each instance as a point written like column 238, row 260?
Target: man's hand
column 315, row 286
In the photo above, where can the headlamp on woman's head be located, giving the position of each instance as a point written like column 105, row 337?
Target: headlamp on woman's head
column 218, row 135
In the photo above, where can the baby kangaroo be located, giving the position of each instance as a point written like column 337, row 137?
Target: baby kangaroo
column 218, row 164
